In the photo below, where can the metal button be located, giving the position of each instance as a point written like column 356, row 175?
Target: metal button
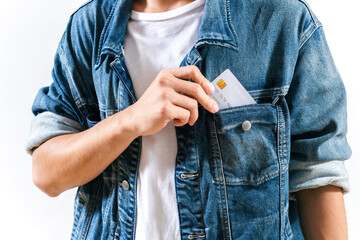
column 246, row 125
column 125, row 184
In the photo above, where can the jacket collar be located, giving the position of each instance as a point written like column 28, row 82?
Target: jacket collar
column 215, row 28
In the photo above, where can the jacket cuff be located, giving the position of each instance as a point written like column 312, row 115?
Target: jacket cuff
column 47, row 125
column 306, row 175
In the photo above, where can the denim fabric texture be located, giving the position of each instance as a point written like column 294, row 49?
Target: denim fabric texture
column 230, row 183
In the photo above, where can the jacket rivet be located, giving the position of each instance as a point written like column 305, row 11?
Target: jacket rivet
column 125, row 184
column 246, row 125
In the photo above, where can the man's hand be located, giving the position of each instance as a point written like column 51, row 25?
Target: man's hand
column 170, row 97
column 322, row 213
column 85, row 155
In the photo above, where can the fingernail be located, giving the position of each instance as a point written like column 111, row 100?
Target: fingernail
column 211, row 87
column 215, row 107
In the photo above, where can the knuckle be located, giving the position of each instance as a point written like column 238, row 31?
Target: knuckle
column 164, row 94
column 187, row 115
column 194, row 104
column 194, row 70
column 164, row 110
column 163, row 79
column 197, row 90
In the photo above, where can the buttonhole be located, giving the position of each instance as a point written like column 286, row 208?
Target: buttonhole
column 191, row 236
column 188, row 175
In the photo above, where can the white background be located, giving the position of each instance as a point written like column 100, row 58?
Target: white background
column 29, row 33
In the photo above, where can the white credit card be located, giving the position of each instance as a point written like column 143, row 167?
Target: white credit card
column 229, row 92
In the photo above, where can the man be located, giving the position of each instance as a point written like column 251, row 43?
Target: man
column 152, row 154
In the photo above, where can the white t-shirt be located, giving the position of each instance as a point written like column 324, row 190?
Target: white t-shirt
column 155, row 41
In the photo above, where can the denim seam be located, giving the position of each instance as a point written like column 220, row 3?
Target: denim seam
column 282, row 128
column 243, row 182
column 177, row 200
column 280, row 166
column 308, row 37
column 197, row 156
column 284, row 88
column 284, row 166
column 79, row 101
column 135, row 185
column 228, row 22
column 270, row 92
column 267, row 96
column 244, row 107
column 108, row 203
column 220, row 40
column 120, row 87
column 212, row 42
column 226, row 212
column 90, row 212
column 104, row 31
column 197, row 60
column 310, row 12
column 63, row 57
column 77, row 214
column 114, row 68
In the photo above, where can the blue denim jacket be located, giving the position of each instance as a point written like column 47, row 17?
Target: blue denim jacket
column 230, row 183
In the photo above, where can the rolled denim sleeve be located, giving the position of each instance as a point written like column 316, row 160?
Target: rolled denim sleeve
column 317, row 104
column 62, row 107
column 47, row 125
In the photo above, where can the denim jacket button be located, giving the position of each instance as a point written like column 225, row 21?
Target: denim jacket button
column 246, row 125
column 125, row 184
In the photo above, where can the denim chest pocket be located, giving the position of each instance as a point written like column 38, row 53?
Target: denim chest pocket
column 246, row 139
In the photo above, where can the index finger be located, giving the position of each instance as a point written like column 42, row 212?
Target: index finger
column 195, row 91
column 192, row 72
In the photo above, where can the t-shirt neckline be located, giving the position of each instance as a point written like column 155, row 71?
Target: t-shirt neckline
column 141, row 16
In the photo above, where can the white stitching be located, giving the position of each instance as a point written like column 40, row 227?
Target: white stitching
column 192, row 236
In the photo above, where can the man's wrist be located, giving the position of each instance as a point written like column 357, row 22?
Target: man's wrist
column 125, row 125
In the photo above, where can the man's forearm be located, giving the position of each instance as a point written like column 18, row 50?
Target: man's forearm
column 68, row 161
column 322, row 213
column 72, row 160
